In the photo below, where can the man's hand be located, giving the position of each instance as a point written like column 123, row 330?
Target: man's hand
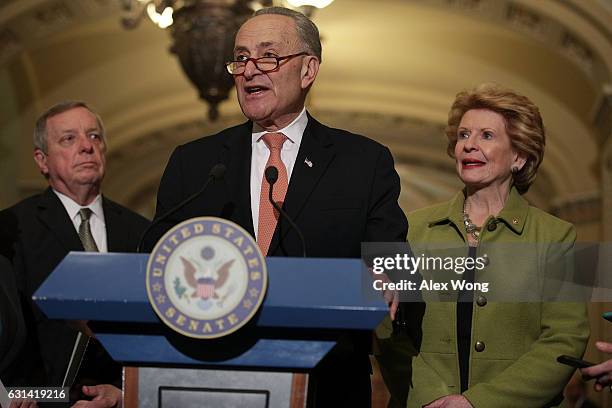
column 104, row 396
column 601, row 372
column 391, row 296
column 450, row 401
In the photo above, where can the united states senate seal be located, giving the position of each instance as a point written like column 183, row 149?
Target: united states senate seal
column 206, row 277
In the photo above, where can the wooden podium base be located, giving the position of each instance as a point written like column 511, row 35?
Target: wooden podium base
column 171, row 387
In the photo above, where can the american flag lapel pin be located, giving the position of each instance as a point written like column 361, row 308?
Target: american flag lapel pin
column 308, row 162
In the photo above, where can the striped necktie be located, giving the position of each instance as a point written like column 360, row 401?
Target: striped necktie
column 87, row 238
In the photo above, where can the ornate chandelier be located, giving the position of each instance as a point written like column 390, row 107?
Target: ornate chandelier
column 203, row 35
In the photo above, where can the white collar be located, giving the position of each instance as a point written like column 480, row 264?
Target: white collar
column 294, row 131
column 72, row 207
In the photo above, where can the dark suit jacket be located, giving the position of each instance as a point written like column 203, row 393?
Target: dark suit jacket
column 38, row 234
column 12, row 326
column 348, row 196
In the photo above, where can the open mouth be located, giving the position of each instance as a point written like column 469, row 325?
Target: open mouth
column 471, row 163
column 255, row 89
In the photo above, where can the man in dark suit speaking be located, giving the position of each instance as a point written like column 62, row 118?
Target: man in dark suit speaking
column 341, row 189
column 70, row 215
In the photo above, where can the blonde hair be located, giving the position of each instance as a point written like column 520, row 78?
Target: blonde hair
column 523, row 122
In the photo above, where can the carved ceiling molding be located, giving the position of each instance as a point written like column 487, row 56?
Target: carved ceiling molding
column 43, row 18
column 520, row 17
column 36, row 22
column 544, row 28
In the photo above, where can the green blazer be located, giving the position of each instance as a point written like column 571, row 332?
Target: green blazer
column 515, row 343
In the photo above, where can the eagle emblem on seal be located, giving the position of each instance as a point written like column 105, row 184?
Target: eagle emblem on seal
column 206, row 277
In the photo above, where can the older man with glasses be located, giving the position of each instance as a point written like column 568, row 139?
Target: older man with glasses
column 341, row 189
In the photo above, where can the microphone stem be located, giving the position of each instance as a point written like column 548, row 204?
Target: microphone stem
column 286, row 216
column 172, row 211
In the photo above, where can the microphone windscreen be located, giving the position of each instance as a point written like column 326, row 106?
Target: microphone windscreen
column 271, row 174
column 218, row 171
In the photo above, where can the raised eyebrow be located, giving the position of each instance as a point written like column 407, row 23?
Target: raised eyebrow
column 266, row 44
column 261, row 46
column 238, row 49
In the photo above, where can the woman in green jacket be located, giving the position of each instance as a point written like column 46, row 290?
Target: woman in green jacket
column 497, row 346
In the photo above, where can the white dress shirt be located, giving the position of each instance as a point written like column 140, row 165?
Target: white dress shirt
column 260, row 153
column 96, row 221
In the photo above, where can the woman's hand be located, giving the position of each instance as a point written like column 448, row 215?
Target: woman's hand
column 601, row 372
column 450, row 401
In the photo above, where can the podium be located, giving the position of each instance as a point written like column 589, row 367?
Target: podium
column 309, row 305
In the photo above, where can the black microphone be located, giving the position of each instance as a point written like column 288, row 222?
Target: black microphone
column 271, row 174
column 215, row 174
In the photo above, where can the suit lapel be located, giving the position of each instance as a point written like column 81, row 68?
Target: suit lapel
column 317, row 149
column 53, row 215
column 315, row 154
column 116, row 237
column 237, row 158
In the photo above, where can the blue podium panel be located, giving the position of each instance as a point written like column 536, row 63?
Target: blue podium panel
column 309, row 305
column 302, row 293
column 94, row 286
column 269, row 353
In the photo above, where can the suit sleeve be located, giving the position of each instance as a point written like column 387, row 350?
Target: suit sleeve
column 386, row 220
column 395, row 344
column 394, row 350
column 12, row 326
column 169, row 194
column 536, row 378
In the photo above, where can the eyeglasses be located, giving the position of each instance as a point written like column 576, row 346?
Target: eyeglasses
column 264, row 64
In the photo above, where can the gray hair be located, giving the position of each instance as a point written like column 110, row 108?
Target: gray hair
column 306, row 29
column 40, row 129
